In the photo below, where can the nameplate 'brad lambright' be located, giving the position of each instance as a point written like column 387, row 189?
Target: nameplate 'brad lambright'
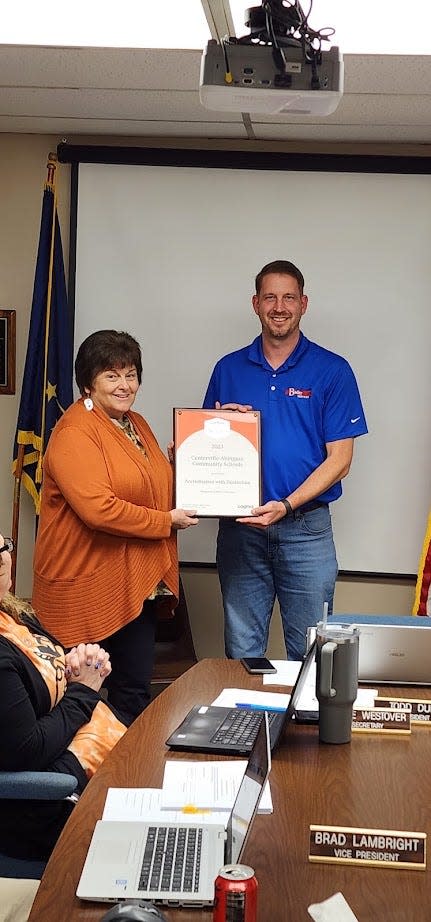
column 381, row 720
column 419, row 708
column 375, row 847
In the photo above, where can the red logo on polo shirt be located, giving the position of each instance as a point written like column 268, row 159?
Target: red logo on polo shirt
column 297, row 392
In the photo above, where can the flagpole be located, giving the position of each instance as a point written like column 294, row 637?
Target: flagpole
column 51, row 167
column 18, row 468
column 15, row 511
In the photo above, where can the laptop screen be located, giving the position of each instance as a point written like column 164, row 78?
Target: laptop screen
column 249, row 794
column 300, row 681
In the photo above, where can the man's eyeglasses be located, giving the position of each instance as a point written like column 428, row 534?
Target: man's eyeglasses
column 8, row 545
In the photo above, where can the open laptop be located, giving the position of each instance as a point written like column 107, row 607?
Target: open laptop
column 394, row 654
column 174, row 864
column 223, row 730
column 391, row 654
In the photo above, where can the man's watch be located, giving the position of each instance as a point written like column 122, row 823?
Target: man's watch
column 287, row 506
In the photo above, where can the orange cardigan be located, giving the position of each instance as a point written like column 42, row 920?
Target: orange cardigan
column 104, row 539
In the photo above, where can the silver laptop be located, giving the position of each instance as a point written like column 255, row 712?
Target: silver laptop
column 391, row 654
column 395, row 654
column 174, row 864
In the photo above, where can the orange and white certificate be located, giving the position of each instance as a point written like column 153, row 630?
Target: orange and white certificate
column 217, row 461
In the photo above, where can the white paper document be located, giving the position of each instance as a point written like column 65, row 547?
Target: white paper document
column 334, row 909
column 206, row 785
column 309, row 702
column 287, row 673
column 145, row 805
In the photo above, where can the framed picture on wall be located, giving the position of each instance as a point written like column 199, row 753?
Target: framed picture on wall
column 7, row 351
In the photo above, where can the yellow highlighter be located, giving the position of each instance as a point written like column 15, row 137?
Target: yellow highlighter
column 190, row 808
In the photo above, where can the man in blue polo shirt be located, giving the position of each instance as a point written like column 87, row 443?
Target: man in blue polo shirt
column 310, row 413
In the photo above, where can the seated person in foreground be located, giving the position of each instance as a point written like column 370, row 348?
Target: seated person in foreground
column 52, row 718
column 16, row 898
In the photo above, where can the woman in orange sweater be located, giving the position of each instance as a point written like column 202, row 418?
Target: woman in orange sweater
column 106, row 543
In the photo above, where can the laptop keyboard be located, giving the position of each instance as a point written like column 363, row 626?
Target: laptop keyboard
column 172, row 859
column 240, row 727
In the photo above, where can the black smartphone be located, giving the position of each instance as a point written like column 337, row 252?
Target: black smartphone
column 257, row 665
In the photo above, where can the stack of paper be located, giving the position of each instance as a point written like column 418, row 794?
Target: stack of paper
column 145, row 804
column 206, row 786
column 192, row 791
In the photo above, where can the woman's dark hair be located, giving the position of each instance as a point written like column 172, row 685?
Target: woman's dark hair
column 280, row 267
column 102, row 350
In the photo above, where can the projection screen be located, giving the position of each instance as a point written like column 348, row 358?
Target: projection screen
column 170, row 252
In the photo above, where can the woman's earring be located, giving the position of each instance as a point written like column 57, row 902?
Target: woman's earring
column 88, row 403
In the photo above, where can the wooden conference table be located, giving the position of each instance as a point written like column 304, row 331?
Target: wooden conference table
column 375, row 781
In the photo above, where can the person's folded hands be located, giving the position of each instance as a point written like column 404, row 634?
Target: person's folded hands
column 88, row 663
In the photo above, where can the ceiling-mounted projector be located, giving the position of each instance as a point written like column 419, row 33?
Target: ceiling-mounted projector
column 258, row 87
column 278, row 68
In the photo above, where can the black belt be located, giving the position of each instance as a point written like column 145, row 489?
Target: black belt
column 309, row 507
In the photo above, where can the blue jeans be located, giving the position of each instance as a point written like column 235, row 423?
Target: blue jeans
column 293, row 560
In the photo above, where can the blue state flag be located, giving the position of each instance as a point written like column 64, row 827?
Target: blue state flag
column 47, row 381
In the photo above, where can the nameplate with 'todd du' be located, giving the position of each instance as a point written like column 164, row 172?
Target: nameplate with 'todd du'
column 419, row 708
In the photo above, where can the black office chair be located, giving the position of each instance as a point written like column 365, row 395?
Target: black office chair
column 32, row 786
column 174, row 648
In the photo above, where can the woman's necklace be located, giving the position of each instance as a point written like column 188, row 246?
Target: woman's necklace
column 126, row 426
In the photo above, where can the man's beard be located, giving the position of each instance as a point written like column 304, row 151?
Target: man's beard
column 279, row 332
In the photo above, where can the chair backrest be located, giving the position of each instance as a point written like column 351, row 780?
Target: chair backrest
column 32, row 786
column 36, row 785
column 21, row 868
column 174, row 651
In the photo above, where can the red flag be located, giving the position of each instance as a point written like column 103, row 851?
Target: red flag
column 422, row 603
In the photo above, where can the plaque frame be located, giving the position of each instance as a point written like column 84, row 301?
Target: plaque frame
column 218, row 479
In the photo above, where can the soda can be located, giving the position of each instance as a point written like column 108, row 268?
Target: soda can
column 235, row 896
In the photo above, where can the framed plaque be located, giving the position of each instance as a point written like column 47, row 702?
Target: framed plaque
column 7, row 351
column 217, row 461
